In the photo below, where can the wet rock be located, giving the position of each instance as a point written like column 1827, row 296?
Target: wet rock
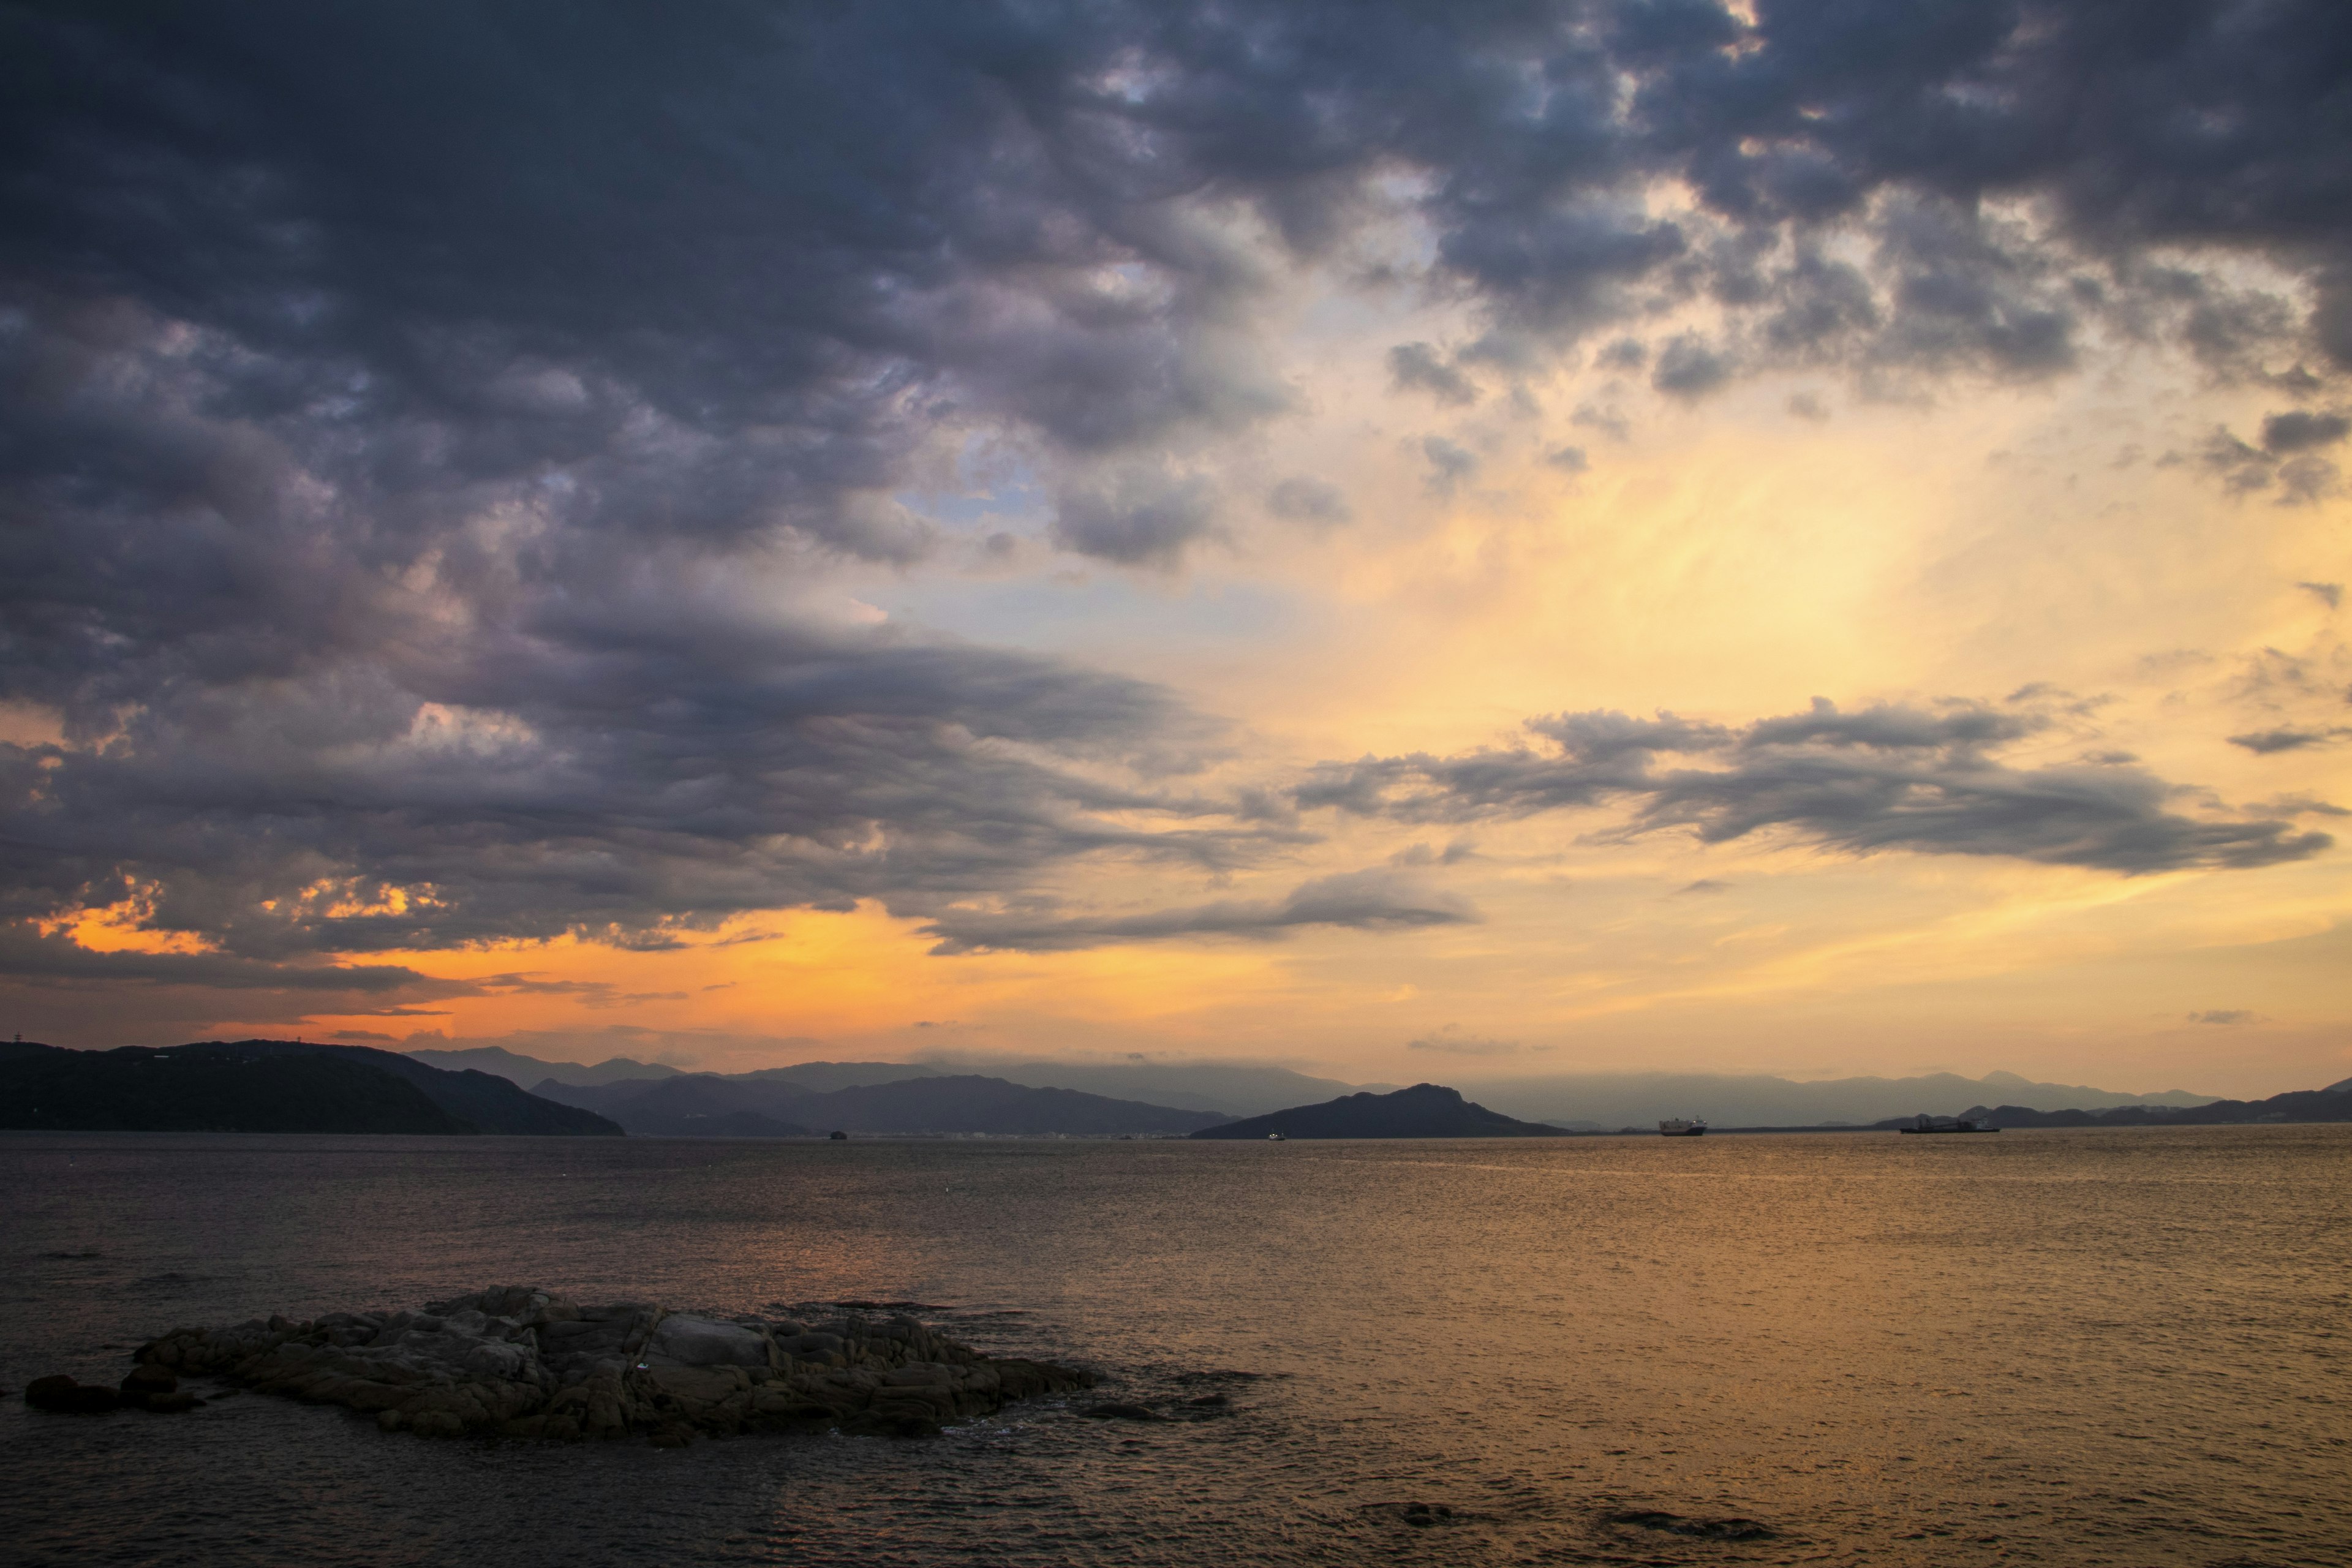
column 64, row 1395
column 1703, row 1528
column 1416, row 1515
column 707, row 1341
column 531, row 1365
column 146, row 1383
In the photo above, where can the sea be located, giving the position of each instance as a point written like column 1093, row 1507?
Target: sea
column 2118, row 1346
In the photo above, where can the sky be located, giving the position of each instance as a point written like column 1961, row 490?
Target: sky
column 1406, row 542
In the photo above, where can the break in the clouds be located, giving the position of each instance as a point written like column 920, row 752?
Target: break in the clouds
column 429, row 430
column 1885, row 778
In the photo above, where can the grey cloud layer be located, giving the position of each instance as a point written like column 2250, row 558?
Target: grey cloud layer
column 1360, row 901
column 391, row 397
column 1886, row 778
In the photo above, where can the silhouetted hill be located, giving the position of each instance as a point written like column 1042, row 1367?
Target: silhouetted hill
column 1424, row 1111
column 702, row 1104
column 208, row 1090
column 2334, row 1104
column 266, row 1086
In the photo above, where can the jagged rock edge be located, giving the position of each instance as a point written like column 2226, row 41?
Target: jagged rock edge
column 522, row 1363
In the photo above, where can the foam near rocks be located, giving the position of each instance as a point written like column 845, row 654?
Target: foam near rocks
column 517, row 1362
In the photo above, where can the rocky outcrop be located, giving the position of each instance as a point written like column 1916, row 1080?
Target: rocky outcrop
column 516, row 1362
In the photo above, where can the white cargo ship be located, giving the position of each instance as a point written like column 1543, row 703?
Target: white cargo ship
column 1681, row 1129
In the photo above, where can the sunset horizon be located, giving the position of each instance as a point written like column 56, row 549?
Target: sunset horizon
column 1349, row 548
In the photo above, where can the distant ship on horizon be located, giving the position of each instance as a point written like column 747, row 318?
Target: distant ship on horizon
column 1679, row 1129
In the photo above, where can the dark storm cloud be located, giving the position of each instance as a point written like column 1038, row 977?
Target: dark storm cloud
column 2291, row 465
column 1450, row 463
column 2299, row 431
column 1139, row 517
column 28, row 955
column 1417, row 367
column 1358, row 901
column 1884, row 778
column 1689, row 368
column 2267, row 743
column 651, row 770
column 397, row 403
column 1304, row 500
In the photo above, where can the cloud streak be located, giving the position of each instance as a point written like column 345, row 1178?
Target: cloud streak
column 1886, row 778
column 1356, row 901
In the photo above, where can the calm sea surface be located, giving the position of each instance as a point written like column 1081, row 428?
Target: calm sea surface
column 2083, row 1347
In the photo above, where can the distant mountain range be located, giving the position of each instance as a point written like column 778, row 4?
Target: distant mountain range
column 2332, row 1103
column 1599, row 1102
column 267, row 1086
column 1586, row 1102
column 287, row 1086
column 1234, row 1088
column 1424, row 1111
column 764, row 1105
column 522, row 1071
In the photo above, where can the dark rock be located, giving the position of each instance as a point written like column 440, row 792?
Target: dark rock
column 171, row 1403
column 1702, row 1528
column 63, row 1394
column 526, row 1365
column 147, row 1378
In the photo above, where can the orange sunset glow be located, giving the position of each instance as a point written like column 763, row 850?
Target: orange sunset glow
column 1370, row 622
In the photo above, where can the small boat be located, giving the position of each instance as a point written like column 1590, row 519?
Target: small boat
column 1274, row 1138
column 1948, row 1124
column 1679, row 1129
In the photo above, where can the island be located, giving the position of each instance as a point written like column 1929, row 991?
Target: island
column 519, row 1362
column 1424, row 1111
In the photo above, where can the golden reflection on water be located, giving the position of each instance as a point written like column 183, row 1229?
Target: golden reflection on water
column 2078, row 1347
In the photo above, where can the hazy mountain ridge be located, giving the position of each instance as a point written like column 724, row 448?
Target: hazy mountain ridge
column 1231, row 1088
column 2331, row 1104
column 710, row 1104
column 1641, row 1099
column 1593, row 1101
column 522, row 1071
